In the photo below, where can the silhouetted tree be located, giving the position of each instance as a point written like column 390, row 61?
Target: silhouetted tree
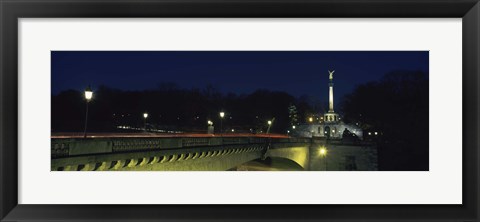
column 293, row 115
column 396, row 106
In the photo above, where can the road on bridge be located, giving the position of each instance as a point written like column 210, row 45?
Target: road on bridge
column 161, row 135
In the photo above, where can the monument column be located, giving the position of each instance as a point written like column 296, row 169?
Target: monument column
column 330, row 95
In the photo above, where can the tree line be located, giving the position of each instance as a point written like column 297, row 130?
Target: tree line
column 170, row 107
column 397, row 106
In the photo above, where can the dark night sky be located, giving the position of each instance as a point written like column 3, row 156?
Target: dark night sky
column 296, row 72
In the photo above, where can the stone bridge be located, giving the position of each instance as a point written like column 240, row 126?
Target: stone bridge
column 204, row 153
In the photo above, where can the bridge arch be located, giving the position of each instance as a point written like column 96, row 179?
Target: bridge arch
column 269, row 164
column 299, row 155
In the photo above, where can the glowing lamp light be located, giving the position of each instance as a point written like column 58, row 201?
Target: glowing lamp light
column 376, row 133
column 233, row 130
column 310, row 119
column 293, row 127
column 209, row 122
column 145, row 115
column 269, row 122
column 323, row 151
column 222, row 114
column 88, row 93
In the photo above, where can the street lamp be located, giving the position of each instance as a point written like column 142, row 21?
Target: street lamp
column 310, row 119
column 88, row 97
column 222, row 114
column 145, row 116
column 270, row 122
column 210, row 127
column 88, row 94
column 323, row 153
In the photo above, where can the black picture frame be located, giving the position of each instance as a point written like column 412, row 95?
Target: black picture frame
column 11, row 11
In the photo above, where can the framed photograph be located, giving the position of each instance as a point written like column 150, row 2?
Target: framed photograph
column 225, row 110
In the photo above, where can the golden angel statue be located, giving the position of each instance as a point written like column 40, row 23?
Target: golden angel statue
column 331, row 74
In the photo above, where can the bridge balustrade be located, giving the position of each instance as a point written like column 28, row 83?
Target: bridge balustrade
column 235, row 140
column 72, row 147
column 257, row 140
column 187, row 142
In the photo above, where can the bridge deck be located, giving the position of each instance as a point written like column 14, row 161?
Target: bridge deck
column 144, row 151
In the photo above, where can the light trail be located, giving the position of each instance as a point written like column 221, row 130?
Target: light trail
column 162, row 135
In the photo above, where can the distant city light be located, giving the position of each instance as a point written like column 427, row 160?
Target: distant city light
column 369, row 133
column 288, row 131
column 293, row 127
column 376, row 133
column 233, row 130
